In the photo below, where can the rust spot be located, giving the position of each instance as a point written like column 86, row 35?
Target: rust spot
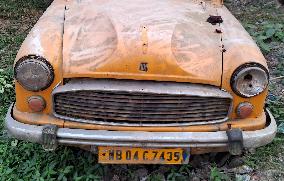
column 230, row 126
column 214, row 20
column 144, row 39
column 218, row 31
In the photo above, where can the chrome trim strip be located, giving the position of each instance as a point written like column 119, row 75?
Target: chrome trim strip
column 147, row 145
column 170, row 88
column 33, row 133
column 137, row 124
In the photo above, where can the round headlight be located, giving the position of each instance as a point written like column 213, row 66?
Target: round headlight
column 34, row 73
column 250, row 80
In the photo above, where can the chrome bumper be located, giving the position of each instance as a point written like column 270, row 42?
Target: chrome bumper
column 66, row 136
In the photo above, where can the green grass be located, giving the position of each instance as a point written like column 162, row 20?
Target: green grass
column 268, row 156
column 16, row 18
column 21, row 160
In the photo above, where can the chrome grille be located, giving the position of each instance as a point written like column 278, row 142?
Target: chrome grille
column 140, row 103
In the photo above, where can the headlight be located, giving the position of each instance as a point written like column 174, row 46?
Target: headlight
column 249, row 80
column 34, row 73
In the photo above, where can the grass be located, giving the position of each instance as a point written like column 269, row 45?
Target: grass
column 21, row 160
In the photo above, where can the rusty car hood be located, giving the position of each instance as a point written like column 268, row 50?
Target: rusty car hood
column 167, row 40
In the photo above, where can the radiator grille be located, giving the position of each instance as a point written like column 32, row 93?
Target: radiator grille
column 139, row 109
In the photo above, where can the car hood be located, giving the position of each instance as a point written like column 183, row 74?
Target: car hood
column 167, row 40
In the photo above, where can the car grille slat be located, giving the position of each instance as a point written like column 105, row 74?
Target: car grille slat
column 132, row 104
column 113, row 106
column 221, row 108
column 140, row 96
column 135, row 115
column 129, row 119
column 142, row 101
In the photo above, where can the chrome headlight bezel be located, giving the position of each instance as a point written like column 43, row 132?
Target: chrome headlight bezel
column 34, row 73
column 254, row 74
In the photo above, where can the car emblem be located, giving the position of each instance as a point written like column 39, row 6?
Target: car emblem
column 143, row 67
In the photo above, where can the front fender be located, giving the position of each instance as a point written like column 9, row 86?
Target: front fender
column 239, row 49
column 45, row 40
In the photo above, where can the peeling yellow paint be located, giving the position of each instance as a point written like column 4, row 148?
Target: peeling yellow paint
column 177, row 43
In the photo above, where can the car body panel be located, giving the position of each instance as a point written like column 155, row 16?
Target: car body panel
column 52, row 38
column 44, row 119
column 45, row 39
column 239, row 49
column 110, row 39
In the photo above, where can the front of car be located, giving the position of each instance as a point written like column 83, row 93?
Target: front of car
column 127, row 77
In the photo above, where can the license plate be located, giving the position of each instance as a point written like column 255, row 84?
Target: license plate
column 125, row 155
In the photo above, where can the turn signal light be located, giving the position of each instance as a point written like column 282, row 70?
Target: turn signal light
column 244, row 109
column 36, row 103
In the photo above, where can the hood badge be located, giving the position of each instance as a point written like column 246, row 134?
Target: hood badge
column 143, row 66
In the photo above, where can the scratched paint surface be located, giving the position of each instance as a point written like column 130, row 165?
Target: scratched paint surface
column 111, row 37
column 177, row 45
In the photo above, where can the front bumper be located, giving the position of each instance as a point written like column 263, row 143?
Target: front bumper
column 79, row 137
